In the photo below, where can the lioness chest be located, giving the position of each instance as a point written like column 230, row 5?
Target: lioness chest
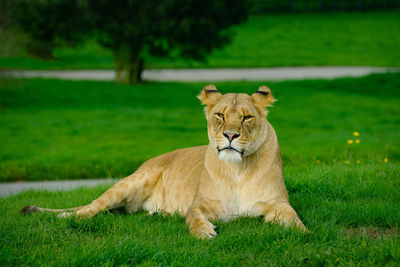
column 179, row 181
column 239, row 199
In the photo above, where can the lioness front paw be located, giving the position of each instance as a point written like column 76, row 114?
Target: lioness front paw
column 290, row 220
column 203, row 230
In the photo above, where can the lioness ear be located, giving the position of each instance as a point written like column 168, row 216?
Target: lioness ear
column 263, row 97
column 209, row 95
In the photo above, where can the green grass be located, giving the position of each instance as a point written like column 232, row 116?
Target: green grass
column 52, row 129
column 364, row 39
column 352, row 211
column 63, row 129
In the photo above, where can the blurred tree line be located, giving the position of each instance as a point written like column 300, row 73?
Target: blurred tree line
column 296, row 6
column 129, row 28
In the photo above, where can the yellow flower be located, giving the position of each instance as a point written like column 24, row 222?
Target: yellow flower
column 386, row 160
column 357, row 141
column 350, row 141
column 358, row 162
column 356, row 133
column 347, row 162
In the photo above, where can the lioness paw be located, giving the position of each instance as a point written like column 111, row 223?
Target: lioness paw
column 291, row 220
column 204, row 230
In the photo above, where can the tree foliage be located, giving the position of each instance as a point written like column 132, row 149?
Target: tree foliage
column 48, row 23
column 188, row 28
column 130, row 28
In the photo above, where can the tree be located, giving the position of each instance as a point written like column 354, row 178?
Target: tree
column 48, row 23
column 130, row 28
column 190, row 28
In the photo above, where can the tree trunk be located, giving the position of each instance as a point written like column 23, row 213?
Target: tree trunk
column 128, row 65
column 40, row 49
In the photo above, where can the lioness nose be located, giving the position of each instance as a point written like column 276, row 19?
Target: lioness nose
column 231, row 135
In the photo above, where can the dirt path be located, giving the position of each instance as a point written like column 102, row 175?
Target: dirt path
column 7, row 189
column 211, row 75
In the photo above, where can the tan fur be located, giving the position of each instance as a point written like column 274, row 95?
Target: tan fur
column 203, row 183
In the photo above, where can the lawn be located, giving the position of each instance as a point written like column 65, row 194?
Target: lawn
column 346, row 194
column 366, row 39
column 352, row 211
column 52, row 129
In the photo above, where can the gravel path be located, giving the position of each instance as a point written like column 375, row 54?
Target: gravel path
column 211, row 75
column 7, row 189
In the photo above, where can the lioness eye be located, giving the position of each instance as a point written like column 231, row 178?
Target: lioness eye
column 220, row 115
column 247, row 118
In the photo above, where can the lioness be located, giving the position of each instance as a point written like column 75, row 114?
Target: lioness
column 238, row 173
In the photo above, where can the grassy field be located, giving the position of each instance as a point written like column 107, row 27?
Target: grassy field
column 352, row 211
column 275, row 40
column 346, row 194
column 53, row 129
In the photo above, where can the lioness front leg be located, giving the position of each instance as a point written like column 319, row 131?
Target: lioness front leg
column 281, row 212
column 197, row 220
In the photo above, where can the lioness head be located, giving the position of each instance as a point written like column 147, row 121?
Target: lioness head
column 237, row 124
